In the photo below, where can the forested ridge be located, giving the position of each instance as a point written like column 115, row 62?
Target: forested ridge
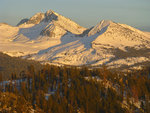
column 64, row 89
column 15, row 65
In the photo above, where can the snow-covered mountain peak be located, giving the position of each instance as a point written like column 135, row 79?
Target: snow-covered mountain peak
column 100, row 27
column 105, row 22
column 50, row 15
column 51, row 37
column 58, row 24
column 49, row 21
column 36, row 19
column 37, row 15
column 49, row 12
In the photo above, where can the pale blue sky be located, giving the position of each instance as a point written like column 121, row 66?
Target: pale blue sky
column 85, row 12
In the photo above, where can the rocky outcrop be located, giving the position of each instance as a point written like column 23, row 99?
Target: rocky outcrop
column 50, row 15
column 36, row 19
column 22, row 21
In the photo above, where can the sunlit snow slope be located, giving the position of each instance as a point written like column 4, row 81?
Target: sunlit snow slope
column 50, row 37
column 41, row 31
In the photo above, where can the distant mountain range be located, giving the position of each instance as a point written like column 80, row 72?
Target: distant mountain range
column 52, row 38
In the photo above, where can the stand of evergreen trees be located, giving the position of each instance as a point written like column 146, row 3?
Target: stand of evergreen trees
column 15, row 65
column 81, row 90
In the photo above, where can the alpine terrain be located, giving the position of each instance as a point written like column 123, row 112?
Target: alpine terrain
column 52, row 38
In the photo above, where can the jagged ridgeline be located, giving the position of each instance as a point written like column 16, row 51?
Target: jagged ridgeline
column 52, row 19
column 52, row 38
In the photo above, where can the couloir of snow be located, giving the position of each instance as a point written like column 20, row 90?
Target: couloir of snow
column 52, row 38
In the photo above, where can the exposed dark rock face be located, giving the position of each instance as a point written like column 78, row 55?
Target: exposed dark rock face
column 49, row 16
column 22, row 21
column 48, row 30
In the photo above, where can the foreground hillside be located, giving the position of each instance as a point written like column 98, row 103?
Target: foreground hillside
column 76, row 90
column 12, row 103
column 52, row 38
